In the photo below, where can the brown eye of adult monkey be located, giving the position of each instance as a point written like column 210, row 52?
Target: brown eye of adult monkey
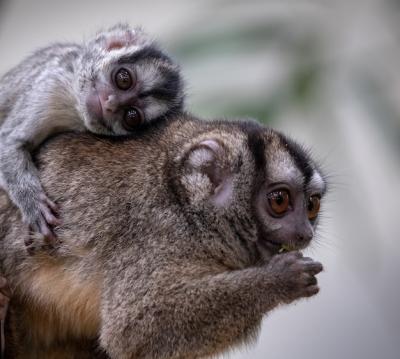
column 313, row 206
column 123, row 79
column 278, row 201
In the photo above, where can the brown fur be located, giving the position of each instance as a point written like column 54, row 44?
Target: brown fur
column 147, row 267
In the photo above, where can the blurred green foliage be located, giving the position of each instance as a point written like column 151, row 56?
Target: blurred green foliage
column 248, row 44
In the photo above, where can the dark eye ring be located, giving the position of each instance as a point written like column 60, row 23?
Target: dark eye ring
column 123, row 79
column 132, row 119
column 279, row 201
column 313, row 206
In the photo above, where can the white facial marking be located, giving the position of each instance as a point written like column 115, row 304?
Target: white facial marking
column 155, row 109
column 281, row 168
column 317, row 183
column 149, row 76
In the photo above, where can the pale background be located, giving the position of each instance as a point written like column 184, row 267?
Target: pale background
column 327, row 73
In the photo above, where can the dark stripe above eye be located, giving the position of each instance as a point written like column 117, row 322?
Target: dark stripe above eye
column 148, row 52
column 255, row 142
column 300, row 156
column 168, row 89
column 170, row 86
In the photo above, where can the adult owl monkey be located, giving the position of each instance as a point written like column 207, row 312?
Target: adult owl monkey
column 171, row 242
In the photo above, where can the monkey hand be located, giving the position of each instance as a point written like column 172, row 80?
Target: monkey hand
column 5, row 295
column 295, row 275
column 40, row 215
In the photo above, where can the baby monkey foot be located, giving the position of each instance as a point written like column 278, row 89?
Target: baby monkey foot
column 41, row 225
column 5, row 295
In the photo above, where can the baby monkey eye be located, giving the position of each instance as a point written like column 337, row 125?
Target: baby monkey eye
column 279, row 201
column 133, row 118
column 313, row 206
column 123, row 79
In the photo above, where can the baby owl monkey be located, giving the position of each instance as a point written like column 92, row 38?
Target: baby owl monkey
column 115, row 83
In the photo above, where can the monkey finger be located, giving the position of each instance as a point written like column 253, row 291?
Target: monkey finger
column 290, row 256
column 306, row 279
column 49, row 203
column 312, row 280
column 291, row 259
column 49, row 216
column 311, row 290
column 313, row 267
column 281, row 261
column 295, row 254
column 42, row 228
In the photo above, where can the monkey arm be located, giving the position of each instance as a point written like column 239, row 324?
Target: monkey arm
column 20, row 134
column 18, row 174
column 20, row 178
column 181, row 316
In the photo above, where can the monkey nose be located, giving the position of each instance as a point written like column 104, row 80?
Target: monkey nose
column 304, row 234
column 111, row 104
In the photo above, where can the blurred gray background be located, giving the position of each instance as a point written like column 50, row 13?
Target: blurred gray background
column 325, row 72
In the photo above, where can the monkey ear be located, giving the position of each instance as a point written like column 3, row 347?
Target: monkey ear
column 208, row 158
column 120, row 41
column 123, row 37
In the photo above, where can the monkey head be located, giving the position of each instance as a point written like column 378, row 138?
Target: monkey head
column 264, row 185
column 126, row 81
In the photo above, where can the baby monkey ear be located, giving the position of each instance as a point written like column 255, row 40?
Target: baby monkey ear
column 209, row 160
column 124, row 37
column 119, row 41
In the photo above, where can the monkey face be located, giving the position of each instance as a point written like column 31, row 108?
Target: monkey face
column 114, row 102
column 131, row 83
column 288, row 213
column 261, row 181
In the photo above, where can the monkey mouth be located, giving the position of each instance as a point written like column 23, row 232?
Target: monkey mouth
column 276, row 247
column 271, row 246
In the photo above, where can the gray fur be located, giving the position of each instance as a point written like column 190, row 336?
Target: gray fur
column 47, row 93
column 162, row 252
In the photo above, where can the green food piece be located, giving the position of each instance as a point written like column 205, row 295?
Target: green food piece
column 286, row 248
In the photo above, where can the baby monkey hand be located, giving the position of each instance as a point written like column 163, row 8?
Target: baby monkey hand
column 41, row 216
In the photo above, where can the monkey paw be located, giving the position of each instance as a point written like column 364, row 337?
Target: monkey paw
column 41, row 222
column 5, row 295
column 295, row 275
